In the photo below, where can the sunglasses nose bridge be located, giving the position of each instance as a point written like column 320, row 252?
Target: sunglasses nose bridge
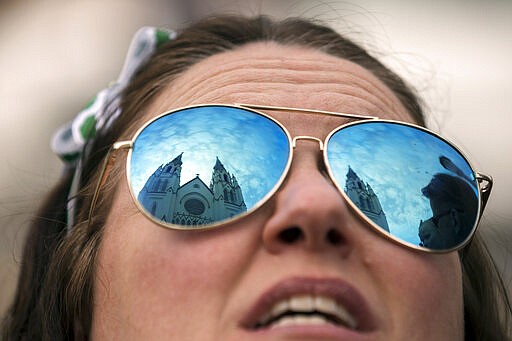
column 310, row 138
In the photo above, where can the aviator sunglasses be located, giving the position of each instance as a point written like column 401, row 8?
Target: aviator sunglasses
column 202, row 166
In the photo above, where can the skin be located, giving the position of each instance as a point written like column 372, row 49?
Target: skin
column 154, row 284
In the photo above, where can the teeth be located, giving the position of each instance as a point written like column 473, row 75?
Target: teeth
column 280, row 307
column 302, row 303
column 326, row 304
column 283, row 322
column 307, row 304
column 329, row 306
column 299, row 320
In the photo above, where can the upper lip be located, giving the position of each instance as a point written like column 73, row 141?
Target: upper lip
column 336, row 289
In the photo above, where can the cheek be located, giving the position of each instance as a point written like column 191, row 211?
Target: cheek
column 151, row 276
column 422, row 292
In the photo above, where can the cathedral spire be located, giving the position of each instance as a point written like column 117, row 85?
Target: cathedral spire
column 351, row 174
column 218, row 165
column 363, row 196
column 370, row 189
column 177, row 160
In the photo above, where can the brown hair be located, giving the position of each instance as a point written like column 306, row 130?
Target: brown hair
column 55, row 290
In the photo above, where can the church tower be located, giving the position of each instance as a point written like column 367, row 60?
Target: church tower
column 192, row 203
column 363, row 196
column 157, row 194
column 227, row 194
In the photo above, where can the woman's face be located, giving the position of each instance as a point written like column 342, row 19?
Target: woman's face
column 303, row 247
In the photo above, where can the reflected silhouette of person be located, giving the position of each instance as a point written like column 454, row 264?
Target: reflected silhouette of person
column 454, row 209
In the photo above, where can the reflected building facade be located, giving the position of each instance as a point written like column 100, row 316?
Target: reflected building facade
column 193, row 203
column 363, row 196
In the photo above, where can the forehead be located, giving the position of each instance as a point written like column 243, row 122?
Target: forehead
column 268, row 73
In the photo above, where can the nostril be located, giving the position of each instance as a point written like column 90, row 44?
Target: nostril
column 291, row 235
column 334, row 237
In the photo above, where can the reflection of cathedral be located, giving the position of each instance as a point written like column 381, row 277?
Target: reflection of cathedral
column 193, row 203
column 365, row 199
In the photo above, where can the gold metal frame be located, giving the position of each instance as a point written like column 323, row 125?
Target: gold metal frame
column 484, row 181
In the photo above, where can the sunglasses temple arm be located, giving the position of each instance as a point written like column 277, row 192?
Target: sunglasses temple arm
column 485, row 182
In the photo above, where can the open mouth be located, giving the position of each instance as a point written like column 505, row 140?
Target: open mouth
column 305, row 302
column 306, row 310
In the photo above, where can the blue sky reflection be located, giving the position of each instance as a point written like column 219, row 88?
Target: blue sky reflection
column 251, row 147
column 397, row 161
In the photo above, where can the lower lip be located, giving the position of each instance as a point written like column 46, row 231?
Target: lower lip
column 311, row 332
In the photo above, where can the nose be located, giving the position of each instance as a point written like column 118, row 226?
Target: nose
column 309, row 212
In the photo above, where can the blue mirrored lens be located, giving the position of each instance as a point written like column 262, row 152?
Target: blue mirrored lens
column 202, row 165
column 411, row 183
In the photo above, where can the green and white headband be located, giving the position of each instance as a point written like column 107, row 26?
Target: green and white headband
column 70, row 141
